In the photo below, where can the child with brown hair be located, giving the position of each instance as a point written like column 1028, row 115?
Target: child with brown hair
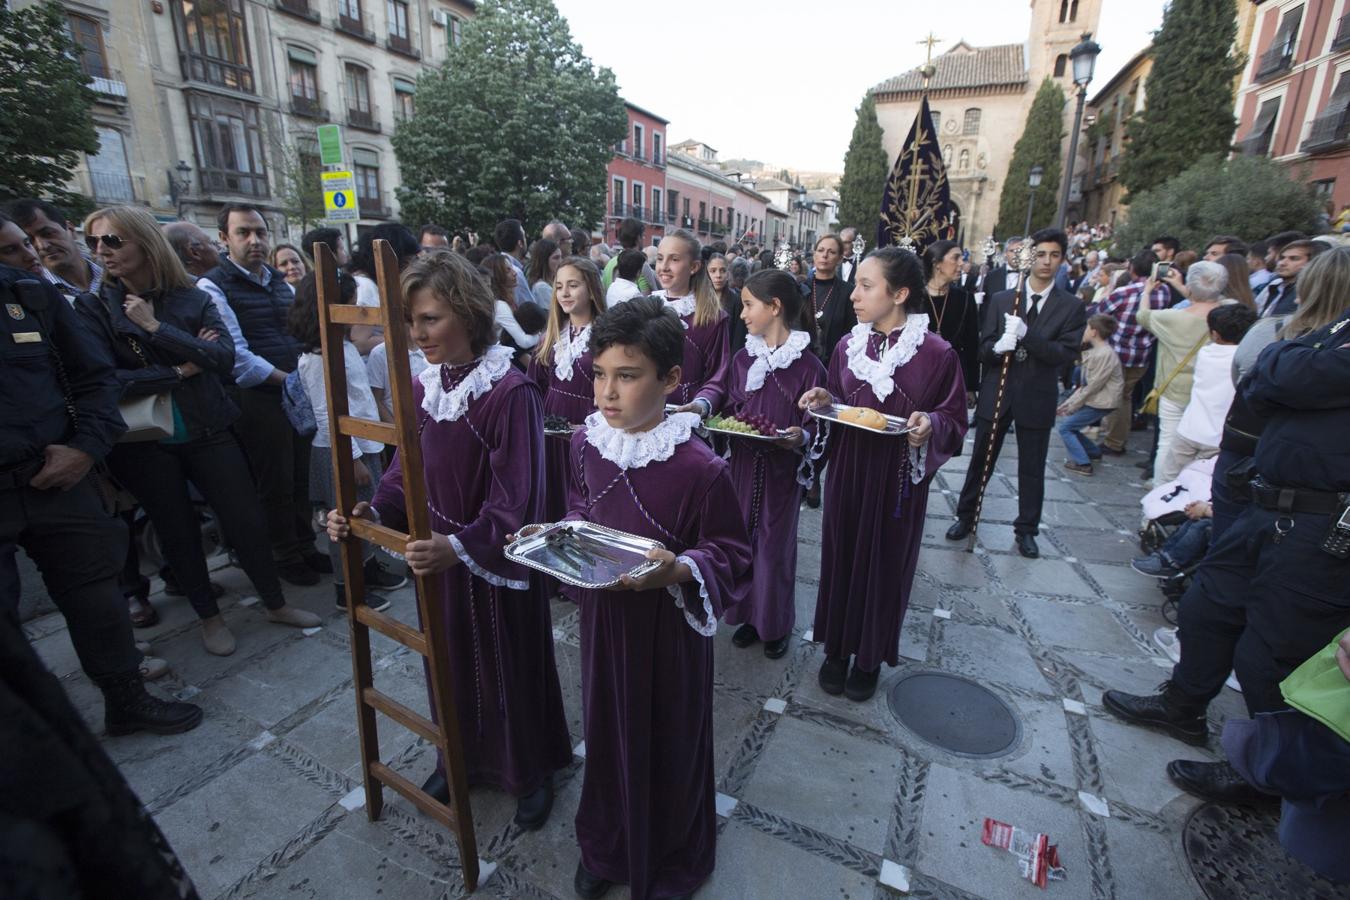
column 1100, row 393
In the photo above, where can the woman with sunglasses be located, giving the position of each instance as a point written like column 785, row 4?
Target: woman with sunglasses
column 165, row 335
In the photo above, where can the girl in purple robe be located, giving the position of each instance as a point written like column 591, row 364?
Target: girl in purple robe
column 482, row 438
column 877, row 491
column 647, row 814
column 562, row 367
column 765, row 379
column 687, row 289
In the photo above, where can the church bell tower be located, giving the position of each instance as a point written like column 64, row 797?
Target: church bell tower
column 1056, row 28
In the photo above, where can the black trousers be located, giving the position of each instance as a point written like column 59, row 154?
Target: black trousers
column 79, row 548
column 1033, row 444
column 158, row 475
column 279, row 459
column 1261, row 607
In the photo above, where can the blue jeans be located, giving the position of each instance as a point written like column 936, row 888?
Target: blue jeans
column 1189, row 543
column 1081, row 450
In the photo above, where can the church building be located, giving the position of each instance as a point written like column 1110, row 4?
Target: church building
column 979, row 97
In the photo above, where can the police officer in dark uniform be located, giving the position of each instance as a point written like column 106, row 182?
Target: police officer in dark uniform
column 58, row 417
column 1273, row 589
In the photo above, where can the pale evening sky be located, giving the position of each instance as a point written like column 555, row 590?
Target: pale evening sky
column 780, row 80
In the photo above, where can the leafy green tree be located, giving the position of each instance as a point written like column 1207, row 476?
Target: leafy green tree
column 865, row 171
column 45, row 123
column 1189, row 110
column 1249, row 196
column 1039, row 145
column 517, row 122
column 299, row 170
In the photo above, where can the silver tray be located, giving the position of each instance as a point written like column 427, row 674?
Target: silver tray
column 560, row 433
column 782, row 433
column 895, row 426
column 629, row 552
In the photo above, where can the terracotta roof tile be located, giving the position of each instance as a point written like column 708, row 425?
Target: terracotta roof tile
column 964, row 66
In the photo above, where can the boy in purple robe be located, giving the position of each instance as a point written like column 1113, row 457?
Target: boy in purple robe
column 482, row 440
column 765, row 380
column 877, row 491
column 647, row 814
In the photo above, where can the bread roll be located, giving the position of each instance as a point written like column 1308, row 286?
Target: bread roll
column 868, row 418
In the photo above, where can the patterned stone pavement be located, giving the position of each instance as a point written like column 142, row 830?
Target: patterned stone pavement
column 820, row 796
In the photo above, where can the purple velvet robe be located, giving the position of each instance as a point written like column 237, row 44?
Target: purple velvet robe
column 765, row 480
column 875, row 498
column 574, row 399
column 707, row 353
column 484, row 474
column 647, row 814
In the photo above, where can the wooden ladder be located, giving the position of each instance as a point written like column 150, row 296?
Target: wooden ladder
column 443, row 732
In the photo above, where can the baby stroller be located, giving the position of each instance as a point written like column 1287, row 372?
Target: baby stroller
column 1172, row 542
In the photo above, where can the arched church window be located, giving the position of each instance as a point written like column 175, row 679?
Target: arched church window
column 1064, row 10
column 972, row 122
column 1061, row 64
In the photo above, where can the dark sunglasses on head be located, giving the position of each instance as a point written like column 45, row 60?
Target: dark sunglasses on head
column 111, row 241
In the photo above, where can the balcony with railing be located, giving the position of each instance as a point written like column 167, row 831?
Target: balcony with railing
column 618, row 209
column 298, row 8
column 1276, row 61
column 636, row 212
column 402, row 46
column 655, row 215
column 219, row 72
column 364, row 119
column 373, row 207
column 1330, row 131
column 232, row 181
column 357, row 26
column 658, row 159
column 310, row 107
column 704, row 225
column 109, row 86
column 112, row 187
column 1342, row 38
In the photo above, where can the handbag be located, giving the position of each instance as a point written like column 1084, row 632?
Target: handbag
column 148, row 417
column 295, row 404
column 1150, row 405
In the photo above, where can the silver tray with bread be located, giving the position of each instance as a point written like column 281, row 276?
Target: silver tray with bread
column 863, row 418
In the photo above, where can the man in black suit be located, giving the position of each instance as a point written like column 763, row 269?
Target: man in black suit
column 998, row 280
column 1042, row 327
column 847, row 270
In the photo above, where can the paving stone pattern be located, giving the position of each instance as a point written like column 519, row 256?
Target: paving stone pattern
column 820, row 794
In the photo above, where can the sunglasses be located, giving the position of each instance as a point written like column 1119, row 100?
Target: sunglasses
column 111, row 241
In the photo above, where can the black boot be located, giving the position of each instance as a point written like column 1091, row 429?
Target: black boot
column 861, row 685
column 128, row 707
column 745, row 636
column 588, row 886
column 436, row 787
column 832, row 675
column 1218, row 781
column 532, row 811
column 1170, row 711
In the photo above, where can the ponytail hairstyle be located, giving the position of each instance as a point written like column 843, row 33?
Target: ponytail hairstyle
column 902, row 269
column 768, row 285
column 590, row 274
column 707, row 308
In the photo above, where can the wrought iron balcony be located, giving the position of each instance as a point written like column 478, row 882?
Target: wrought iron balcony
column 112, row 187
column 310, row 107
column 1275, row 61
column 1329, row 131
column 364, row 119
column 299, row 8
column 357, row 27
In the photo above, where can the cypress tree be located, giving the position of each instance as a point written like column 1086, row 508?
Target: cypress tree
column 1038, row 146
column 865, row 171
column 1189, row 108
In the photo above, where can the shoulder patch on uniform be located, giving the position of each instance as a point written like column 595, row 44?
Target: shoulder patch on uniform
column 15, row 310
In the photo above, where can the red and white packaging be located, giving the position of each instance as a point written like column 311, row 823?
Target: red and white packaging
column 1037, row 857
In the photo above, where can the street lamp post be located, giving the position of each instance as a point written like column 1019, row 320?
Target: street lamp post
column 179, row 185
column 1033, row 182
column 1084, row 59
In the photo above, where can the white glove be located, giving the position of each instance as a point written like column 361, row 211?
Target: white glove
column 1014, row 326
column 1005, row 344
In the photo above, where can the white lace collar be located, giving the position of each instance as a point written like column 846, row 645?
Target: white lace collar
column 634, row 449
column 568, row 349
column 880, row 373
column 683, row 306
column 768, row 359
column 447, row 406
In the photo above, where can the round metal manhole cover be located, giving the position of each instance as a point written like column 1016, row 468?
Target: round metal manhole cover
column 1234, row 852
column 956, row 714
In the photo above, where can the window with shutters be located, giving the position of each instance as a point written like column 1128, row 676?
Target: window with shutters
column 366, row 169
column 1332, row 126
column 1280, row 57
column 360, row 112
column 1257, row 142
column 213, row 43
column 404, row 92
column 227, row 138
column 88, row 37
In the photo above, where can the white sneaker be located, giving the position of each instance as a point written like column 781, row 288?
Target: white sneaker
column 1166, row 639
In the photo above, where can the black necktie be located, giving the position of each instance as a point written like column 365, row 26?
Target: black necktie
column 1034, row 311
